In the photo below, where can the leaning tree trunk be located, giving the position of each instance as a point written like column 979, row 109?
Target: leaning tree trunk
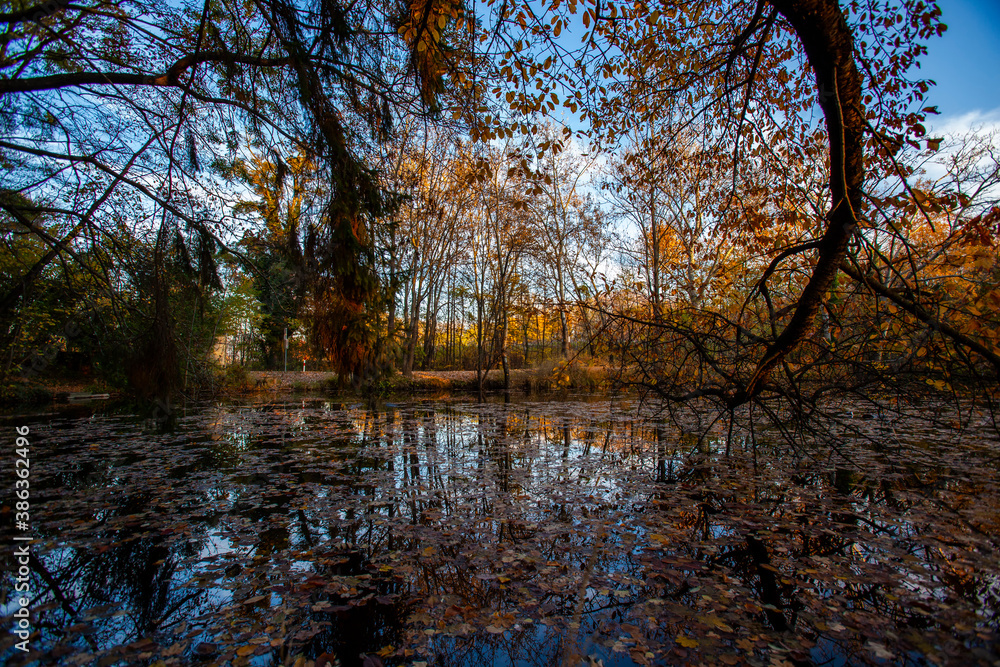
column 823, row 31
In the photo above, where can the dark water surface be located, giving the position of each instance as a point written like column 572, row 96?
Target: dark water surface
column 452, row 532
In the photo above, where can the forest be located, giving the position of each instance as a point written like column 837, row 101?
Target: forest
column 730, row 218
column 722, row 201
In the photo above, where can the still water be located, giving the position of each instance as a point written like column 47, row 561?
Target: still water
column 453, row 532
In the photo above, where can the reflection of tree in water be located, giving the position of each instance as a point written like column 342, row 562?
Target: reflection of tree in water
column 125, row 569
column 531, row 647
column 348, row 625
column 378, row 524
column 808, row 547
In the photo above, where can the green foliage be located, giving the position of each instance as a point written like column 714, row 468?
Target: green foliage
column 235, row 378
column 24, row 393
column 108, row 129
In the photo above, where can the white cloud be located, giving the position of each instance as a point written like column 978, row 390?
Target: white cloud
column 977, row 120
column 982, row 127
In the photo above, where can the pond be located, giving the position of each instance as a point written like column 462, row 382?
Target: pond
column 452, row 532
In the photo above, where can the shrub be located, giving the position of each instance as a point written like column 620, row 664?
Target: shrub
column 235, row 378
column 557, row 374
column 25, row 393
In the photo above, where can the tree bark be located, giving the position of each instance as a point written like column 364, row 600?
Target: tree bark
column 829, row 45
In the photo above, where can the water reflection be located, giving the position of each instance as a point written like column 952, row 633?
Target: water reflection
column 510, row 533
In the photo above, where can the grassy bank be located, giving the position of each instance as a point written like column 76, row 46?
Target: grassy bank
column 20, row 392
column 547, row 378
column 552, row 376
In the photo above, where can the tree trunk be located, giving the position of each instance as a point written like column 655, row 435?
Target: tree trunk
column 823, row 31
column 564, row 329
column 430, row 329
column 563, row 316
column 479, row 343
column 527, row 323
column 411, row 345
column 655, row 238
column 393, row 287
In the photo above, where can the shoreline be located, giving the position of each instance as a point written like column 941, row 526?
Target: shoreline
column 59, row 391
column 420, row 381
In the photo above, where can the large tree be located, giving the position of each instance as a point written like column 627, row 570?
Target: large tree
column 111, row 105
column 769, row 77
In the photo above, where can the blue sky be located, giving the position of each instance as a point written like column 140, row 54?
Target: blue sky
column 965, row 61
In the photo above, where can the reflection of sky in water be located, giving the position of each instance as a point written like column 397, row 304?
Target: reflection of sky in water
column 264, row 490
column 215, row 545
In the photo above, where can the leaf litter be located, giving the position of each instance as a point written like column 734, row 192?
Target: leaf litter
column 536, row 533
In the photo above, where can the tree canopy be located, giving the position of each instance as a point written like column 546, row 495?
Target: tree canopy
column 353, row 160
